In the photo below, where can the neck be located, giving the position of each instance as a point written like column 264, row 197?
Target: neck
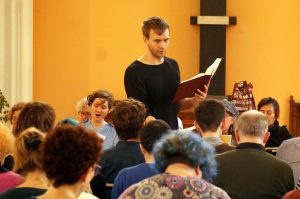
column 97, row 124
column 249, row 139
column 182, row 170
column 63, row 192
column 149, row 158
column 209, row 134
column 132, row 140
column 36, row 179
column 149, row 59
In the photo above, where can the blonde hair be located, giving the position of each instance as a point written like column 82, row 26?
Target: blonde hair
column 28, row 150
column 6, row 142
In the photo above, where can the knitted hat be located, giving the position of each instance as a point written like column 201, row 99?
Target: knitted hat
column 230, row 108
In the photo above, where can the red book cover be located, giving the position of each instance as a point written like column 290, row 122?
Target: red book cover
column 189, row 87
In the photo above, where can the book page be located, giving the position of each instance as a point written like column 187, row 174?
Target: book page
column 209, row 71
column 213, row 68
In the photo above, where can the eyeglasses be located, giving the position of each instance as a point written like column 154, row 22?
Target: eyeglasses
column 84, row 113
column 97, row 169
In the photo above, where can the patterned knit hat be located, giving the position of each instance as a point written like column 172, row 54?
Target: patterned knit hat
column 230, row 108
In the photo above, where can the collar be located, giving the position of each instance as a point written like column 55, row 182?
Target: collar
column 213, row 140
column 3, row 170
column 249, row 145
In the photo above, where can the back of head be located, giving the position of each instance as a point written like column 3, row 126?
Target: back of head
column 128, row 118
column 252, row 123
column 35, row 114
column 6, row 142
column 69, row 152
column 269, row 100
column 155, row 23
column 107, row 96
column 209, row 114
column 152, row 132
column 28, row 150
column 187, row 148
column 230, row 108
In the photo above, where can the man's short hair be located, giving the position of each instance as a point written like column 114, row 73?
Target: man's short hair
column 157, row 24
column 252, row 123
column 209, row 114
column 269, row 100
column 152, row 132
column 128, row 118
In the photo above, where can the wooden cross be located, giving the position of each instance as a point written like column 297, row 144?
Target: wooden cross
column 213, row 22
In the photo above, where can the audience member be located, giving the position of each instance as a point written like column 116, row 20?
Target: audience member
column 231, row 115
column 100, row 103
column 289, row 151
column 185, row 161
column 209, row 121
column 28, row 154
column 249, row 171
column 150, row 133
column 15, row 111
column 8, row 179
column 270, row 107
column 128, row 118
column 69, row 159
column 83, row 110
column 35, row 114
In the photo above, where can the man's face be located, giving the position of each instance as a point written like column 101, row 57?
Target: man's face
column 269, row 112
column 158, row 44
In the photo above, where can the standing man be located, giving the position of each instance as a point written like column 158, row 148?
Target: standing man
column 154, row 78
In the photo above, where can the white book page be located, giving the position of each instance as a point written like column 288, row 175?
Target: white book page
column 209, row 71
column 213, row 68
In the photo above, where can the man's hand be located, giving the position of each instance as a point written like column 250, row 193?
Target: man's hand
column 201, row 95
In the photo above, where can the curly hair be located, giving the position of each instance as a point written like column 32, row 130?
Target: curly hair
column 28, row 150
column 6, row 142
column 155, row 23
column 128, row 117
column 152, row 132
column 271, row 101
column 69, row 152
column 107, row 96
column 80, row 104
column 35, row 114
column 187, row 148
column 209, row 114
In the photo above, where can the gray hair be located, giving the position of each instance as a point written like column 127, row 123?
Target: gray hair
column 80, row 104
column 252, row 123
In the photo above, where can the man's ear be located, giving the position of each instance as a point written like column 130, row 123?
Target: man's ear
column 237, row 136
column 222, row 125
column 198, row 172
column 198, row 128
column 143, row 150
column 266, row 137
column 88, row 175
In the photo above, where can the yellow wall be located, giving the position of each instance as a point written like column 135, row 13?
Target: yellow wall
column 80, row 46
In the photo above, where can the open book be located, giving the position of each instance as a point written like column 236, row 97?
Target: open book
column 189, row 87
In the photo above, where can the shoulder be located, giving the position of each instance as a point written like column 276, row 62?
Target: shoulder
column 170, row 60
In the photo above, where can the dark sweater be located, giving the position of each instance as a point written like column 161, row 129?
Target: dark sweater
column 155, row 86
column 278, row 135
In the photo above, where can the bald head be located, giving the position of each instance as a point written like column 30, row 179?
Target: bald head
column 253, row 124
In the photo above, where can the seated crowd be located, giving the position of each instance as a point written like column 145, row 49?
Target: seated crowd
column 132, row 157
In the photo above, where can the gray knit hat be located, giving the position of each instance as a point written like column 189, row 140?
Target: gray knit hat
column 230, row 108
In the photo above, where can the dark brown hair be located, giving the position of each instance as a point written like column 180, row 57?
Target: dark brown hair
column 209, row 114
column 69, row 152
column 128, row 117
column 35, row 114
column 155, row 23
column 103, row 95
